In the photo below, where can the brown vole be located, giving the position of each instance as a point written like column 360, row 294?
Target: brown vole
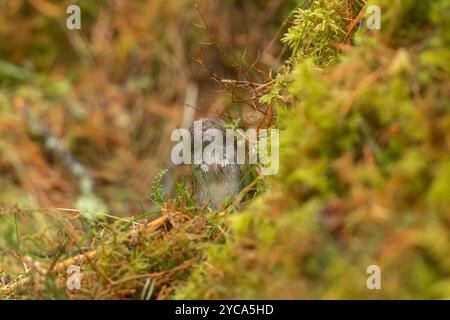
column 216, row 184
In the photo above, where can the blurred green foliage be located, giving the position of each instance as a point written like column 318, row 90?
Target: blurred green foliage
column 364, row 174
column 364, row 178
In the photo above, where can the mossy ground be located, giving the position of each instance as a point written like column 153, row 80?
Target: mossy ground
column 364, row 180
column 364, row 177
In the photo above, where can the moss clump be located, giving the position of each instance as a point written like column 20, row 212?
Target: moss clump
column 136, row 259
column 364, row 179
column 318, row 29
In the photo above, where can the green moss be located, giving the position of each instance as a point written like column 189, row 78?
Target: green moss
column 364, row 179
column 364, row 169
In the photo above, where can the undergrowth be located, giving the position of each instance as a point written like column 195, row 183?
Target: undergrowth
column 364, row 168
column 364, row 179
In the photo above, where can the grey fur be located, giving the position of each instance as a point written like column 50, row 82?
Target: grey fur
column 216, row 185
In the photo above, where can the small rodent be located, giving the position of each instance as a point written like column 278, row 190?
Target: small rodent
column 217, row 184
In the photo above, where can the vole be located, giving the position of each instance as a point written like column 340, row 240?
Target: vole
column 216, row 184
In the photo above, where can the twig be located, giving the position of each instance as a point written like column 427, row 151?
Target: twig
column 77, row 260
column 355, row 22
column 153, row 275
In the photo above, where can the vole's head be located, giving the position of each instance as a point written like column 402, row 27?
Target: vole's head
column 207, row 123
column 201, row 128
column 207, row 130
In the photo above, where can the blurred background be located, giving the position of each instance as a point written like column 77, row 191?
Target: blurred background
column 86, row 117
column 108, row 96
